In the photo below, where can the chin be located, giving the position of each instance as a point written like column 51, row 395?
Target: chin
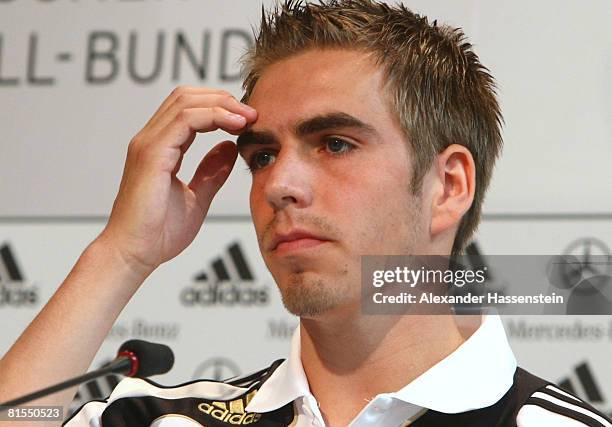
column 309, row 295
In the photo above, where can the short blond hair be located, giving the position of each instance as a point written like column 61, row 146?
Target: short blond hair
column 436, row 84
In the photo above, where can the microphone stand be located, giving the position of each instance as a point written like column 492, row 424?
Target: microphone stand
column 121, row 365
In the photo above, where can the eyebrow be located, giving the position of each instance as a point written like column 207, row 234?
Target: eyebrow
column 251, row 137
column 335, row 120
column 331, row 121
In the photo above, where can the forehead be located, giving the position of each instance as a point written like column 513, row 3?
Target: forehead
column 318, row 82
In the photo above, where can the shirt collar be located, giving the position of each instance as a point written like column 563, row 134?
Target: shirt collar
column 476, row 375
column 287, row 383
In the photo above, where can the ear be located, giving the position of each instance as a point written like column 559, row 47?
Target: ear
column 455, row 183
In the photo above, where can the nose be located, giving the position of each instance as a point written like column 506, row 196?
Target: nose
column 288, row 183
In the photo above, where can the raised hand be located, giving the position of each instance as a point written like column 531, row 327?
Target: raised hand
column 155, row 215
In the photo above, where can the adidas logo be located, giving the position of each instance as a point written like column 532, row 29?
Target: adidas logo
column 582, row 383
column 229, row 282
column 14, row 291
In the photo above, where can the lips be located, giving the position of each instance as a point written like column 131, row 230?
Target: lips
column 296, row 239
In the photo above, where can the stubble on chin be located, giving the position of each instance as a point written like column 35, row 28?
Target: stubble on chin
column 310, row 297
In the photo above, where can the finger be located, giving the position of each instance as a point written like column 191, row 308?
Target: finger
column 184, row 126
column 180, row 91
column 208, row 100
column 212, row 172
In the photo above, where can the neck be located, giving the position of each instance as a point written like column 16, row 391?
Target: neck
column 359, row 357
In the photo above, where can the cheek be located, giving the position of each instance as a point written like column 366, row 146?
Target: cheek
column 256, row 204
column 252, row 200
column 391, row 213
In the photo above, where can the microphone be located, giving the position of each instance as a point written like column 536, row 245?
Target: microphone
column 136, row 358
column 146, row 358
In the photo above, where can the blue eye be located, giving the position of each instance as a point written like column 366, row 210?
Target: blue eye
column 338, row 146
column 261, row 159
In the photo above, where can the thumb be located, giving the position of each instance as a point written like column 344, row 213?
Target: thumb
column 212, row 172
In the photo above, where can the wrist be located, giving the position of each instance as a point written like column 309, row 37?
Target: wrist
column 103, row 251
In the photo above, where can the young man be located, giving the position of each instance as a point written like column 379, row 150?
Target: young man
column 368, row 131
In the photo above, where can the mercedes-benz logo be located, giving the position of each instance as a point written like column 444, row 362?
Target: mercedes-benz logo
column 217, row 368
column 585, row 270
column 582, row 259
column 585, row 250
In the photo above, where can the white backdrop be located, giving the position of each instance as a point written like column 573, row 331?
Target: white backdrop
column 78, row 78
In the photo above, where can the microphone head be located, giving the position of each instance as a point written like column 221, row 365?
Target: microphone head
column 153, row 359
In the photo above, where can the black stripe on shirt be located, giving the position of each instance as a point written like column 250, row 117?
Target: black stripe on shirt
column 576, row 401
column 562, row 410
column 260, row 376
column 249, row 379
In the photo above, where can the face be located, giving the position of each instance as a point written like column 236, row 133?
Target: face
column 331, row 177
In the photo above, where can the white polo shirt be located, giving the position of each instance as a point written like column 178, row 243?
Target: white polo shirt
column 476, row 375
column 478, row 384
column 484, row 361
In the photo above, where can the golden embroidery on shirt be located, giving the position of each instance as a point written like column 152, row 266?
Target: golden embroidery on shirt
column 229, row 412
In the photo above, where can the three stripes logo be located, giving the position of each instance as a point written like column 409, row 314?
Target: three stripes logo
column 14, row 290
column 582, row 383
column 229, row 281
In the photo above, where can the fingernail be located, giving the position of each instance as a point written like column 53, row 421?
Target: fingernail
column 249, row 107
column 237, row 118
